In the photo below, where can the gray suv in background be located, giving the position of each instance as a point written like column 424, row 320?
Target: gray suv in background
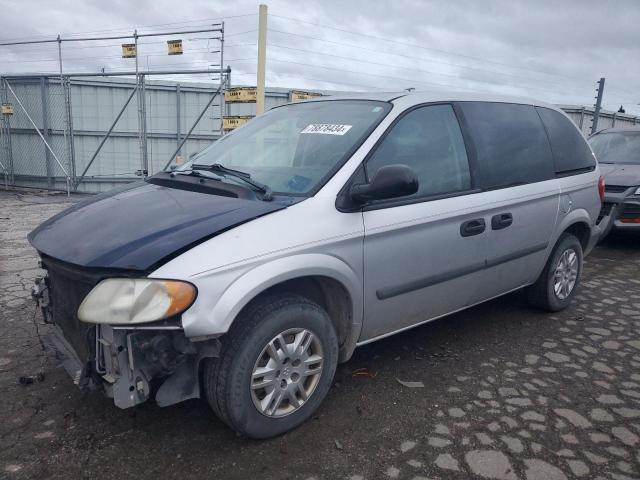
column 618, row 152
column 245, row 275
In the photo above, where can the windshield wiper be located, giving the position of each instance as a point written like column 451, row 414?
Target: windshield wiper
column 244, row 176
column 194, row 173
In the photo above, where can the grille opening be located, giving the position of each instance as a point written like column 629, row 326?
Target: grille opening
column 630, row 210
column 68, row 286
column 615, row 188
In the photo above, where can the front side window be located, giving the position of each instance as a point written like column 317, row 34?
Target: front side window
column 427, row 139
column 511, row 144
column 570, row 150
column 617, row 147
column 292, row 149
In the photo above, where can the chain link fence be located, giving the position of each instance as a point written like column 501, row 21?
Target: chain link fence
column 34, row 139
column 90, row 131
column 91, row 134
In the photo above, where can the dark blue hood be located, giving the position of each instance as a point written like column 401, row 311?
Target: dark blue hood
column 141, row 226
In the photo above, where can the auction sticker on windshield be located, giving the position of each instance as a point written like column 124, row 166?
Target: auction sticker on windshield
column 326, row 129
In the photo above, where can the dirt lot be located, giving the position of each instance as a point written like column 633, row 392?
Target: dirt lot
column 509, row 393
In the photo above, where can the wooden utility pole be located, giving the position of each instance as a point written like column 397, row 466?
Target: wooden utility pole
column 262, row 58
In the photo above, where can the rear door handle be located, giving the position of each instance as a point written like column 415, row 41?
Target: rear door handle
column 472, row 227
column 500, row 221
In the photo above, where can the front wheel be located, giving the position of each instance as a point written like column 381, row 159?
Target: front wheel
column 560, row 278
column 275, row 368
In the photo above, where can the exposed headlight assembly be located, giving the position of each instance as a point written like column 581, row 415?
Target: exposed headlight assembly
column 125, row 301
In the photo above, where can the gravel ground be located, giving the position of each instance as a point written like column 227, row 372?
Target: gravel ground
column 509, row 393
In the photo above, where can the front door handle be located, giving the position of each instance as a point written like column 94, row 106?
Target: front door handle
column 472, row 227
column 500, row 221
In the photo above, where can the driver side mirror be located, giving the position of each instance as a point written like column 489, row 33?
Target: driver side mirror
column 390, row 181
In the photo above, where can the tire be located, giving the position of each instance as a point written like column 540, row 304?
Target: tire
column 228, row 379
column 542, row 294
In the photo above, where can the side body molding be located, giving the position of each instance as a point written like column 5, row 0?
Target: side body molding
column 255, row 281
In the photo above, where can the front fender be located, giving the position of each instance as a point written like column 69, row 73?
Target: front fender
column 218, row 319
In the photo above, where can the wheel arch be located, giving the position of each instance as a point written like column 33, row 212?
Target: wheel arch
column 323, row 279
column 578, row 223
column 581, row 231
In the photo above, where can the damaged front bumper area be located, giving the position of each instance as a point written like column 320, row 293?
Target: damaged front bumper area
column 130, row 363
column 134, row 365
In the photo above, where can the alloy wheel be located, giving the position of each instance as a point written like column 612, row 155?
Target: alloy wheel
column 565, row 275
column 286, row 372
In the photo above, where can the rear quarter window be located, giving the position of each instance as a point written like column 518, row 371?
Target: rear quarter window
column 511, row 144
column 571, row 154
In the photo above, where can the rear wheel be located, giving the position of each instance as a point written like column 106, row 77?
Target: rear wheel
column 276, row 366
column 560, row 278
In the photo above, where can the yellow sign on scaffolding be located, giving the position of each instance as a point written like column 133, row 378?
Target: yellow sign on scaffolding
column 233, row 122
column 241, row 95
column 7, row 109
column 174, row 47
column 300, row 96
column 129, row 50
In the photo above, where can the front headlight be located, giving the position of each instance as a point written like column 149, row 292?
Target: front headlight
column 637, row 192
column 124, row 301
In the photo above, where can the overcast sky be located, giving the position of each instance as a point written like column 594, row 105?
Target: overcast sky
column 548, row 49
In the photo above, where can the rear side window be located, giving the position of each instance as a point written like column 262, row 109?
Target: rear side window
column 570, row 151
column 511, row 144
column 427, row 139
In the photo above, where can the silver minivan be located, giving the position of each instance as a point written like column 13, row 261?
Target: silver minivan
column 245, row 275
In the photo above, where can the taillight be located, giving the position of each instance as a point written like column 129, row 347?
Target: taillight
column 601, row 188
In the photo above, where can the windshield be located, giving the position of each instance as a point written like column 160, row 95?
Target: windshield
column 617, row 147
column 294, row 148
